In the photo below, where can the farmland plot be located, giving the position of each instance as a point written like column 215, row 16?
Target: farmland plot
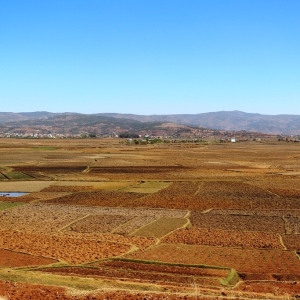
column 51, row 218
column 261, row 213
column 77, row 186
column 23, row 186
column 286, row 193
column 253, row 261
column 16, row 259
column 148, row 187
column 233, row 190
column 224, row 238
column 136, row 172
column 146, row 272
column 178, row 195
column 237, row 195
column 292, row 225
column 70, row 250
column 98, row 198
column 291, row 241
column 134, row 224
column 53, row 169
column 41, row 196
column 98, row 223
column 238, row 222
column 136, row 241
column 37, row 218
column 161, row 227
column 285, row 289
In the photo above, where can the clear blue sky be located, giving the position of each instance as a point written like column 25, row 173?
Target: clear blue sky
column 150, row 56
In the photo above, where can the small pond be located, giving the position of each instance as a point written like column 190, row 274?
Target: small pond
column 11, row 194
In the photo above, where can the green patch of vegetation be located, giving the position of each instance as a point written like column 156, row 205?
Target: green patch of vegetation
column 231, row 279
column 6, row 205
column 73, row 282
column 161, row 227
column 17, row 175
column 2, row 177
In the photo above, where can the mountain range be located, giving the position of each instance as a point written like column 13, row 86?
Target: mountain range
column 223, row 120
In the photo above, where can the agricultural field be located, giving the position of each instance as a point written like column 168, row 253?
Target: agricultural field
column 105, row 220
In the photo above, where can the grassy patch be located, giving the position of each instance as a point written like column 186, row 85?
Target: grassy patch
column 17, row 176
column 2, row 177
column 78, row 283
column 161, row 227
column 6, row 205
column 23, row 186
column 231, row 279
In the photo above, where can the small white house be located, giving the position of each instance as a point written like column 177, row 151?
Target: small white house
column 232, row 140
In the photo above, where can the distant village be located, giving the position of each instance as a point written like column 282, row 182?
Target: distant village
column 203, row 135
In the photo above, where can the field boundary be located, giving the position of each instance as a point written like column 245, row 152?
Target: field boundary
column 231, row 280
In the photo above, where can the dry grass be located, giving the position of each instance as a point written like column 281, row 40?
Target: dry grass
column 23, row 186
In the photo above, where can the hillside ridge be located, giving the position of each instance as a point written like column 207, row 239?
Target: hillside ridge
column 222, row 120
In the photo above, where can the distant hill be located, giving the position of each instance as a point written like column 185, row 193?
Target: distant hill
column 23, row 116
column 74, row 124
column 223, row 120
column 228, row 120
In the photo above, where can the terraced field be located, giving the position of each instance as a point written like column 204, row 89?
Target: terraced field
column 105, row 220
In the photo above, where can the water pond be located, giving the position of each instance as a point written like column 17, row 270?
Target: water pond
column 11, row 194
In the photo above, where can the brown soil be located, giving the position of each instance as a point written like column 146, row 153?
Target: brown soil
column 290, row 193
column 98, row 223
column 243, row 260
column 142, row 272
column 98, row 198
column 50, row 169
column 224, row 238
column 71, row 250
column 161, row 227
column 287, row 289
column 37, row 218
column 262, row 213
column 291, row 241
column 39, row 196
column 15, row 259
column 24, row 291
column 238, row 223
column 67, row 188
column 52, row 218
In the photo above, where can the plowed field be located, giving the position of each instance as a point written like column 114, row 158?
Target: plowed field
column 224, row 238
column 16, row 259
column 98, row 223
column 238, row 222
column 98, row 198
column 243, row 260
column 291, row 241
column 143, row 272
column 52, row 218
column 71, row 250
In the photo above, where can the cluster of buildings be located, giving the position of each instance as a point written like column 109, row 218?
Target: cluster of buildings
column 163, row 136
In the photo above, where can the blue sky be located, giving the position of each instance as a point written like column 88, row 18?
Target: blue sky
column 150, row 56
